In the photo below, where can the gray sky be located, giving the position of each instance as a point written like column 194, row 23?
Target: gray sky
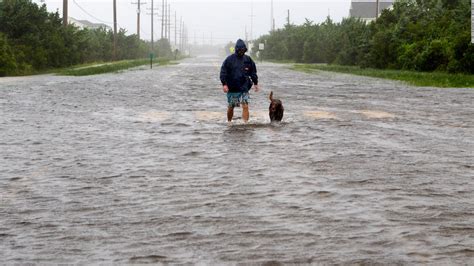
column 224, row 20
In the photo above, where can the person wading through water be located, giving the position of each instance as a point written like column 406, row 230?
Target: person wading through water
column 238, row 75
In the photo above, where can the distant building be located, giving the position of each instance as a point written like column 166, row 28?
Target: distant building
column 85, row 24
column 367, row 9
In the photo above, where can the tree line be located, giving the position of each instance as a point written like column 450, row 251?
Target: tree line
column 420, row 35
column 33, row 39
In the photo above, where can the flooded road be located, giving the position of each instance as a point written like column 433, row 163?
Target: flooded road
column 142, row 167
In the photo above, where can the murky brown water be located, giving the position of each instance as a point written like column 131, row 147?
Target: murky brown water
column 141, row 167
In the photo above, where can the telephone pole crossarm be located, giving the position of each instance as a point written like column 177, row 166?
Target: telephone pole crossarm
column 139, row 4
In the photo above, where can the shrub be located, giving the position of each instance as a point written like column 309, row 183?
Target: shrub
column 8, row 64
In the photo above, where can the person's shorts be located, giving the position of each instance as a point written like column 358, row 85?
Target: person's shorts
column 236, row 98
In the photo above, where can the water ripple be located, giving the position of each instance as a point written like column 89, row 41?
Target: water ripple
column 142, row 167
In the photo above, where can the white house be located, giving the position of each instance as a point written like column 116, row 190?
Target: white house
column 85, row 24
column 367, row 9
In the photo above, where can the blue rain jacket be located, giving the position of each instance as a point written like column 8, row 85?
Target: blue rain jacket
column 239, row 73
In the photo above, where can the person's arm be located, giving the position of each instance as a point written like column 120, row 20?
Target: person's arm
column 223, row 76
column 253, row 75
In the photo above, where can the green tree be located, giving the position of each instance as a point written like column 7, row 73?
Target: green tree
column 36, row 39
column 7, row 59
column 424, row 35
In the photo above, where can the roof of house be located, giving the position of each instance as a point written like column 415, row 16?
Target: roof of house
column 367, row 8
column 93, row 25
column 88, row 24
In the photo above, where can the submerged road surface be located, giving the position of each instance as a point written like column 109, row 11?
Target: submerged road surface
column 142, row 167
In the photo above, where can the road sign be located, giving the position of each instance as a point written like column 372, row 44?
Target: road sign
column 151, row 60
column 261, row 46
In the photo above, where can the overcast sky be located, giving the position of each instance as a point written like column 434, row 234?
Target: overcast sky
column 223, row 20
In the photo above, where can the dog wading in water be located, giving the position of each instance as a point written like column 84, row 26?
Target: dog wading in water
column 275, row 110
column 238, row 75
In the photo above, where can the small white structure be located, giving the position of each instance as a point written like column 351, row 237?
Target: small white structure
column 367, row 9
column 85, row 24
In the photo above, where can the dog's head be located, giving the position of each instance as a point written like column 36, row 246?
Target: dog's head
column 275, row 111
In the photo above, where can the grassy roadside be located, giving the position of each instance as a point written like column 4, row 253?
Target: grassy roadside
column 422, row 79
column 100, row 68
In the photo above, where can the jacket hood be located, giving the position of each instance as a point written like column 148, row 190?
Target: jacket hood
column 240, row 45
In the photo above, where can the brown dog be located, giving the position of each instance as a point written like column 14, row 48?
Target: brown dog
column 276, row 109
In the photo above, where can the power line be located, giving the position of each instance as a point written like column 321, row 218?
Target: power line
column 92, row 16
column 166, row 26
column 102, row 21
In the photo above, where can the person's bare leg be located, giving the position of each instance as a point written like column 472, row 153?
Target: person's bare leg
column 245, row 112
column 230, row 113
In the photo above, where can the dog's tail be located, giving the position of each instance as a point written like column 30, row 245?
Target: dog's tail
column 271, row 96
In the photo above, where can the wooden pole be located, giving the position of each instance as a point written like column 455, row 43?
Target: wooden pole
column 162, row 17
column 288, row 18
column 166, row 18
column 138, row 20
column 115, row 30
column 272, row 22
column 152, row 45
column 377, row 10
column 65, row 15
column 139, row 11
column 169, row 23
column 472, row 21
column 175, row 30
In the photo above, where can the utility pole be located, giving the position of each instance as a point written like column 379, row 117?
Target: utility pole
column 152, row 31
column 186, row 40
column 162, row 17
column 169, row 23
column 138, row 16
column 115, row 30
column 165, row 13
column 183, row 45
column 65, row 15
column 246, row 34
column 152, row 15
column 152, row 46
column 175, row 30
column 377, row 10
column 251, row 21
column 184, row 37
column 181, row 34
column 288, row 18
column 272, row 22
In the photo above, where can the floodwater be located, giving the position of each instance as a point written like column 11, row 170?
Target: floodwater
column 142, row 167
